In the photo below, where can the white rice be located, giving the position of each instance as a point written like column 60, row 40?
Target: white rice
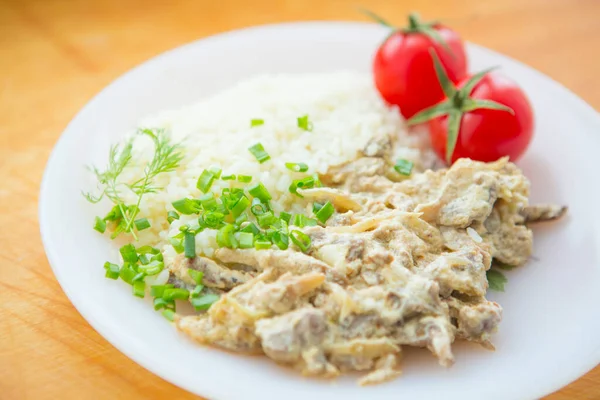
column 345, row 111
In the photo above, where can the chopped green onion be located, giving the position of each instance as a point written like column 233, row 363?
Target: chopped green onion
column 251, row 228
column 258, row 207
column 204, row 302
column 280, row 239
column 208, row 201
column 152, row 268
column 256, row 122
column 114, row 214
column 296, row 167
column 127, row 273
column 175, row 294
column 142, row 224
column 205, row 181
column 243, row 217
column 226, row 238
column 404, row 167
column 196, row 275
column 317, row 181
column 244, row 178
column 240, row 206
column 189, row 245
column 216, row 171
column 187, row 206
column 259, row 191
column 285, row 216
column 158, row 290
column 317, row 207
column 325, row 212
column 266, row 219
column 144, row 260
column 139, row 277
column 100, row 225
column 172, row 216
column 212, row 219
column 129, row 254
column 305, row 183
column 245, row 239
column 196, row 291
column 262, row 244
column 161, row 303
column 148, row 250
column 259, row 152
column 169, row 314
column 139, row 288
column 301, row 220
column 228, row 177
column 301, row 239
column 112, row 270
column 177, row 245
column 304, row 123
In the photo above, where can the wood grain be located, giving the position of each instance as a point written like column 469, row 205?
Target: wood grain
column 56, row 54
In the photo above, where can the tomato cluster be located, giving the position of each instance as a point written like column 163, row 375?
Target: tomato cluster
column 423, row 70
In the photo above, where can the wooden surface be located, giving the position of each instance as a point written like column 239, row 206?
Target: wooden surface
column 56, row 55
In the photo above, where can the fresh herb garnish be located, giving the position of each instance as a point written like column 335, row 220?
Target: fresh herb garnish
column 304, row 123
column 259, row 152
column 496, row 280
column 256, row 122
column 296, row 167
column 404, row 167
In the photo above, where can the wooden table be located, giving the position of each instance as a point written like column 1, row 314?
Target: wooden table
column 56, row 54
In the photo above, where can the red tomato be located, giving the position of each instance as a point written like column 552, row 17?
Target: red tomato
column 487, row 135
column 403, row 68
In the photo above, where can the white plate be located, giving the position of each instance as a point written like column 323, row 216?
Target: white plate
column 551, row 330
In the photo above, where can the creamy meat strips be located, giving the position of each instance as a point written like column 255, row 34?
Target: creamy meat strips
column 401, row 263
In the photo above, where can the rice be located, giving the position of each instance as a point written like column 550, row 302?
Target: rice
column 344, row 110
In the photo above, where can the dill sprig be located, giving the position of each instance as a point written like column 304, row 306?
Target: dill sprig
column 167, row 157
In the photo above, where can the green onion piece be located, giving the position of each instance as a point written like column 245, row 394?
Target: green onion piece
column 196, row 275
column 99, row 225
column 205, row 181
column 251, row 228
column 216, row 171
column 226, row 238
column 148, row 250
column 325, row 212
column 304, row 123
column 240, row 206
column 177, row 245
column 187, row 206
column 139, row 277
column 175, row 294
column 169, row 314
column 158, row 290
column 259, row 152
column 208, row 201
column 152, row 268
column 161, row 303
column 301, row 239
column 204, row 302
column 172, row 216
column 184, row 228
column 296, row 167
column 245, row 239
column 144, row 260
column 266, row 219
column 317, row 181
column 286, row 217
column 244, row 178
column 243, row 217
column 141, row 224
column 228, row 177
column 301, row 220
column 258, row 207
column 258, row 190
column 189, row 245
column 316, row 207
column 305, row 183
column 112, row 270
column 196, row 291
column 114, row 214
column 404, row 167
column 129, row 254
column 127, row 273
column 213, row 219
column 139, row 288
column 256, row 122
column 280, row 239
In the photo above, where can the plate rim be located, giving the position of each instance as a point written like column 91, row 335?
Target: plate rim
column 143, row 360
